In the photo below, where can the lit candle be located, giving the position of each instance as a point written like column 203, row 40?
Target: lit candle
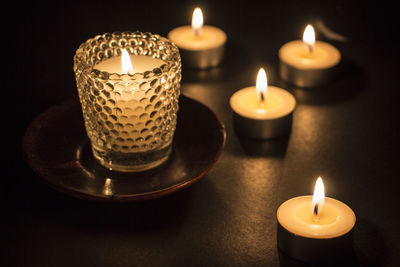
column 127, row 99
column 201, row 46
column 308, row 63
column 129, row 64
column 315, row 228
column 128, row 85
column 263, row 111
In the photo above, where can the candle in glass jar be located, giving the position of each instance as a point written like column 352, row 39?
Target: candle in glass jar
column 127, row 97
column 129, row 111
column 129, row 64
column 263, row 111
column 308, row 63
column 131, row 102
column 314, row 228
column 201, row 46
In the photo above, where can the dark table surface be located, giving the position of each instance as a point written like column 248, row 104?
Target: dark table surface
column 347, row 132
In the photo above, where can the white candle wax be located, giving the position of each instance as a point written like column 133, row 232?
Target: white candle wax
column 140, row 64
column 208, row 38
column 278, row 103
column 335, row 219
column 296, row 54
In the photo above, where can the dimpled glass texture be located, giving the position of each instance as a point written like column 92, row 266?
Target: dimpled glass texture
column 129, row 119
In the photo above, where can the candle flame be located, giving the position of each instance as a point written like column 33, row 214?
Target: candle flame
column 318, row 197
column 197, row 21
column 126, row 64
column 309, row 37
column 262, row 84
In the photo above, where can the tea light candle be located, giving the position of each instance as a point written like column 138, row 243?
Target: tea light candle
column 308, row 63
column 200, row 46
column 263, row 111
column 314, row 228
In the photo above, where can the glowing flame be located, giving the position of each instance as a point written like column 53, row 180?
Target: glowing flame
column 126, row 64
column 197, row 21
column 309, row 37
column 318, row 197
column 261, row 84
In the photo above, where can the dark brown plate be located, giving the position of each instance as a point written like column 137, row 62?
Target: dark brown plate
column 57, row 148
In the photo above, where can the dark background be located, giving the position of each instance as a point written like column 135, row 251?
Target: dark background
column 347, row 132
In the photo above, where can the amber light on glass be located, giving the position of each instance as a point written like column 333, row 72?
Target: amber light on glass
column 130, row 117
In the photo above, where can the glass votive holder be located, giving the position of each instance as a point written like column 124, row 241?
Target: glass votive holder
column 130, row 119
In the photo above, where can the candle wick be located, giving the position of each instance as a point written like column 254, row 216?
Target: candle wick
column 196, row 31
column 316, row 209
column 262, row 98
column 315, row 212
column 310, row 48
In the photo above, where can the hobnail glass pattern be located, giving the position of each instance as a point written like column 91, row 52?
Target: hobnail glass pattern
column 130, row 119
